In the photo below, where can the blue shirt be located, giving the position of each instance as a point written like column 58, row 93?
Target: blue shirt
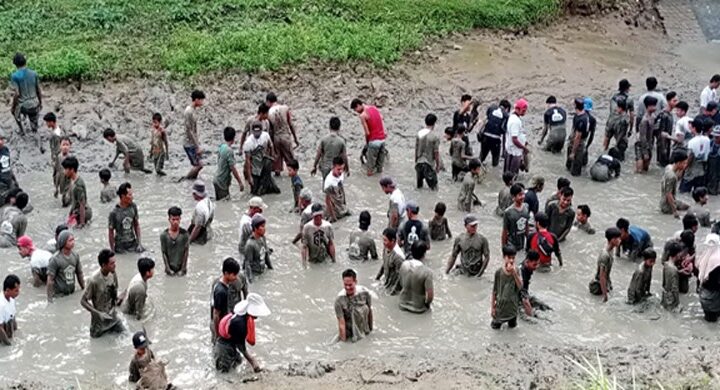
column 25, row 81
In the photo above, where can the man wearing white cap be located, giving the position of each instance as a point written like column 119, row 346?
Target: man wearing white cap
column 237, row 328
column 203, row 215
column 353, row 309
column 39, row 259
column 473, row 249
column 318, row 238
column 255, row 206
column 396, row 208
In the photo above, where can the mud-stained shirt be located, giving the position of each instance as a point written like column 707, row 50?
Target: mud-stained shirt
column 702, row 214
column 191, row 132
column 102, row 291
column 107, row 194
column 639, row 284
column 63, row 269
column 668, row 186
column 121, row 220
column 334, row 189
column 255, row 254
column 226, row 161
column 361, row 246
column 25, row 82
column 427, row 145
column 174, row 248
column 317, row 239
column 439, row 229
column 507, row 294
column 128, row 147
column 411, row 231
column 278, row 117
column 515, row 222
column 134, row 303
column 560, row 221
column 474, row 252
column 157, row 143
column 505, row 200
column 355, row 310
column 331, row 146
column 671, row 286
column 416, row 279
column 467, row 189
column 397, row 204
column 79, row 196
column 138, row 363
column 457, row 149
column 605, row 262
column 392, row 261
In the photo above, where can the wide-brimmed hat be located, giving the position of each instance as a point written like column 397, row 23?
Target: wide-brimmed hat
column 253, row 305
column 257, row 202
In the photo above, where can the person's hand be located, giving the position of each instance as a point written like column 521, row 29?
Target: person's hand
column 313, row 172
column 539, row 142
column 250, row 182
column 140, row 248
column 257, row 368
column 105, row 316
column 111, row 165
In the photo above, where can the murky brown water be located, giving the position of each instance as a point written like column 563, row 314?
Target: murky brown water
column 54, row 344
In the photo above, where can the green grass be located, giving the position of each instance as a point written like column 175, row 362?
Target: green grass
column 66, row 39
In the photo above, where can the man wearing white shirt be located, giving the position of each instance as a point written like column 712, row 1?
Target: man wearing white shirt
column 396, row 208
column 334, row 188
column 682, row 132
column 698, row 151
column 39, row 259
column 516, row 139
column 8, row 325
column 709, row 93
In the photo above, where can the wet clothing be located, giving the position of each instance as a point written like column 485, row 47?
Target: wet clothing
column 605, row 168
column 317, row 239
column 297, row 187
column 712, row 179
column 230, row 294
column 39, row 261
column 560, row 221
column 227, row 351
column 375, row 156
column 361, row 246
column 174, row 249
column 710, row 296
column 13, row 225
column 555, row 119
column 665, row 124
column 334, row 188
column 355, row 311
column 138, row 363
column 392, row 261
column 331, row 146
column 639, row 288
column 136, row 298
column 396, row 204
column 671, row 286
column 7, row 178
column 515, row 222
column 474, row 252
column 505, row 200
column 122, row 220
column 425, row 173
column 102, row 291
column 699, row 148
column 643, row 145
column 257, row 151
column 669, row 186
column 79, row 196
column 411, row 231
column 457, row 150
column 376, row 140
column 439, row 229
column 637, row 242
column 585, row 227
column 158, row 151
column 256, row 257
column 281, row 133
column 25, row 83
column 531, row 199
column 702, row 214
column 61, row 182
column 191, row 132
column 416, row 279
column 427, row 145
column 202, row 218
column 466, row 196
column 493, row 131
column 604, row 263
column 128, row 147
column 107, row 194
column 582, row 126
column 64, row 269
column 506, row 292
column 617, row 128
column 223, row 173
column 629, row 104
column 545, row 244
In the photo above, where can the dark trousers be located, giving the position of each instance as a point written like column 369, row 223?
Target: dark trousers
column 425, row 172
column 497, row 324
column 492, row 146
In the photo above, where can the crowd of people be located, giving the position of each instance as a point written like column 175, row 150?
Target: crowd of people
column 532, row 234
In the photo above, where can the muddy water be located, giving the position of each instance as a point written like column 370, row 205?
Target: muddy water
column 54, row 344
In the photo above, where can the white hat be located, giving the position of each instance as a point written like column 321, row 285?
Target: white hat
column 254, row 305
column 257, row 202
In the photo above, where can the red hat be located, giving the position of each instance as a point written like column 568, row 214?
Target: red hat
column 521, row 104
column 25, row 242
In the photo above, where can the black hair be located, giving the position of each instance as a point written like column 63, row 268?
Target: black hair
column 294, row 164
column 516, row 189
column 338, row 161
column 579, row 104
column 105, row 175
column 622, row 224
column 562, row 182
column 679, row 156
column 612, row 233
column 567, row 191
column 430, row 120
column 649, row 253
column 123, row 189
column 70, row 162
column 650, row 101
column 614, row 152
column 104, row 256
column 585, row 209
column 230, row 266
column 229, row 134
column 465, row 98
column 670, row 95
column 108, row 133
column 474, row 164
column 50, row 117
column 65, row 138
column 355, row 102
column 364, row 220
column 687, row 237
column 505, row 104
column 508, row 178
column 683, row 105
column 271, row 97
column 715, row 78
column 11, row 281
column 21, row 200
column 533, row 255
column 690, row 221
column 509, row 250
column 19, row 60
column 708, row 124
column 335, row 123
column 60, row 228
column 390, row 233
column 197, row 94
column 673, row 248
column 157, row 117
column 418, row 249
column 622, row 103
column 651, row 83
column 460, row 129
column 263, row 108
column 174, row 211
column 13, row 193
column 440, row 208
column 349, row 273
column 698, row 193
column 145, row 265
column 450, row 131
column 551, row 100
column 542, row 220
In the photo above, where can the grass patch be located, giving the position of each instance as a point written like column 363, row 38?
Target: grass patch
column 66, row 39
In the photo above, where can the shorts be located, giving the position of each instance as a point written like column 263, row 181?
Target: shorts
column 513, row 163
column 192, row 154
column 159, row 162
column 221, row 193
column 496, row 324
column 642, row 151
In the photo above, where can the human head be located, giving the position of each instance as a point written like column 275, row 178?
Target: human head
column 418, row 249
column 475, row 165
column 509, row 252
column 690, row 222
column 25, row 246
column 650, row 103
column 624, row 85
column 262, row 112
column 623, row 225
column 229, row 134
column 59, row 229
column 687, row 238
column 305, row 197
column 440, row 209
column 711, row 108
column 389, row 238
column 256, row 205
column 579, row 104
column 583, row 213
column 532, row 260
column 537, row 183
column 621, row 106
column 412, row 208
column 293, row 166
column 697, row 125
column 673, row 250
column 156, row 119
column 349, row 277
column 11, row 286
column 430, row 120
column 364, row 220
column 521, row 106
column 318, row 212
column 471, row 223
column 649, row 255
column 651, row 83
column 388, row 184
column 19, row 60
column 672, row 99
column 542, row 220
column 198, row 190
column 197, row 97
column 106, row 259
column 258, row 224
column 230, row 269
column 562, row 183
column 680, row 159
column 508, row 178
column 21, row 200
column 505, row 105
column 715, row 81
column 65, row 240
column 271, row 99
column 335, row 123
column 357, row 106
column 465, row 101
column 65, row 144
column 105, row 175
column 125, row 193
column 449, row 133
column 109, row 135
column 50, row 119
column 140, row 343
column 146, row 267
column 338, row 166
column 459, row 131
column 682, row 108
column 551, row 100
column 174, row 217
column 518, row 193
column 613, row 236
column 566, row 196
column 700, row 195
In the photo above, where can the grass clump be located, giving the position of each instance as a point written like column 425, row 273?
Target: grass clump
column 66, row 39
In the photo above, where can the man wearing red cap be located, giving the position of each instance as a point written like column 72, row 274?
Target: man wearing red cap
column 39, row 259
column 516, row 139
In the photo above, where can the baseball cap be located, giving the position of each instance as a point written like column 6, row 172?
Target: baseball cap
column 140, row 340
column 521, row 104
column 471, row 220
column 25, row 242
column 588, row 103
column 257, row 202
column 412, row 206
column 257, row 220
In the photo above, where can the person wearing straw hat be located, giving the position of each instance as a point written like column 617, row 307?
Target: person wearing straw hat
column 318, row 238
column 203, row 215
column 39, row 259
column 353, row 309
column 235, row 330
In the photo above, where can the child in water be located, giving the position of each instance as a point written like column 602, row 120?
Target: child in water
column 107, row 194
column 439, row 229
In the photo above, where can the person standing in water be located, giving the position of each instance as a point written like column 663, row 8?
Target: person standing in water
column 192, row 139
column 396, row 210
column 516, row 139
column 136, row 293
column 220, row 294
column 159, row 146
column 427, row 154
column 506, row 292
column 372, row 123
column 393, row 258
column 516, row 220
column 124, row 223
column 203, row 216
column 80, row 211
column 331, row 146
column 101, row 297
column 258, row 151
column 27, row 97
column 669, row 204
column 602, row 284
column 39, row 259
column 361, row 245
column 413, row 229
column 554, row 122
column 416, row 280
column 226, row 166
column 353, row 309
column 473, row 249
column 318, row 238
column 334, row 188
column 235, row 330
column 8, row 322
column 175, row 244
column 281, row 128
column 639, row 288
column 257, row 255
column 64, row 268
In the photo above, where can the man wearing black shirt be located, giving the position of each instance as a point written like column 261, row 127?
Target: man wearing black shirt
column 219, row 308
column 576, row 141
column 491, row 136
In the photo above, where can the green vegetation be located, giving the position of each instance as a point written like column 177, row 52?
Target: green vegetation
column 94, row 38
